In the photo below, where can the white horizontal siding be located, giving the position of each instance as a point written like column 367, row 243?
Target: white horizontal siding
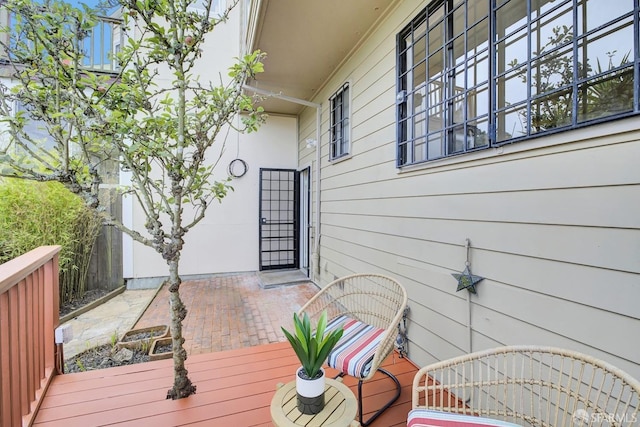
column 554, row 224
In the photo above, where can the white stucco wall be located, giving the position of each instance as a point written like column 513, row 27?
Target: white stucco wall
column 227, row 239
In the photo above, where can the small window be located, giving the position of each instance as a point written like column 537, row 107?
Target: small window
column 217, row 7
column 339, row 128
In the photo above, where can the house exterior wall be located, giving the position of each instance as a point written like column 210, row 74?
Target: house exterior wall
column 227, row 239
column 553, row 222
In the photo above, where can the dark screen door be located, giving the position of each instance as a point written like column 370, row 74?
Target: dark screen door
column 279, row 211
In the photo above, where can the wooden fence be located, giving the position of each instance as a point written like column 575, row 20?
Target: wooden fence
column 28, row 317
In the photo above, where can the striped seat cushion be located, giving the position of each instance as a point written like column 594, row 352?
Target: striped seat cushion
column 428, row 418
column 353, row 355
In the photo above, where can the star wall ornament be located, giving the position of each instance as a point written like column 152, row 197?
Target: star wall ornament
column 467, row 281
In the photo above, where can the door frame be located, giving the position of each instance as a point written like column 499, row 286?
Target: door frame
column 304, row 179
column 287, row 228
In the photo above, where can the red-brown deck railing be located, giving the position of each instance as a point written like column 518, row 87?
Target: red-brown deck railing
column 29, row 312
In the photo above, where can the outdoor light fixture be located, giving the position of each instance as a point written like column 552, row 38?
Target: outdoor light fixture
column 311, row 142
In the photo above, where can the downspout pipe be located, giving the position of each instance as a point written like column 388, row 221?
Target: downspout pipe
column 318, row 107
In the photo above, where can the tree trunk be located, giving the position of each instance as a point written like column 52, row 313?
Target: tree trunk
column 182, row 386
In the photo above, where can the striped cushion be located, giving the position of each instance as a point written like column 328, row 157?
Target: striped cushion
column 354, row 352
column 427, row 418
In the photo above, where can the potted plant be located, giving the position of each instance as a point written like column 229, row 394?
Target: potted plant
column 312, row 349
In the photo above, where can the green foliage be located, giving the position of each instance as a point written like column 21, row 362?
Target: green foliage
column 312, row 348
column 609, row 93
column 154, row 116
column 114, row 339
column 35, row 214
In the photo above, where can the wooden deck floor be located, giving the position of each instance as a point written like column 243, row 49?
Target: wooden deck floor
column 234, row 388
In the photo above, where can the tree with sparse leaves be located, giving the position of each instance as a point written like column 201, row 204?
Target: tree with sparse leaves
column 159, row 133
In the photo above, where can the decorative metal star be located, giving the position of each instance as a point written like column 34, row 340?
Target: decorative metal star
column 467, row 281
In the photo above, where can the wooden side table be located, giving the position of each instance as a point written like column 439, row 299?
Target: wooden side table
column 339, row 411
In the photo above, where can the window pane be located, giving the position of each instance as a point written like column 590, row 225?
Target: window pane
column 436, row 37
column 477, row 37
column 511, row 123
column 457, row 140
column 594, row 13
column 512, row 88
column 459, row 109
column 402, row 154
column 606, row 49
column 552, row 71
column 512, row 51
column 538, row 7
column 436, row 91
column 478, row 69
column 510, row 17
column 420, row 125
column 477, row 10
column 420, row 50
column 605, row 96
column 552, row 111
column 419, row 101
column 436, row 118
column 458, row 21
column 419, row 74
column 420, row 30
column 435, row 143
column 402, row 130
column 419, row 150
column 553, row 30
column 478, row 101
column 478, row 133
column 458, row 51
column 436, row 65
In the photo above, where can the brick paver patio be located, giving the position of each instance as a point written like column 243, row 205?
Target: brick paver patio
column 230, row 311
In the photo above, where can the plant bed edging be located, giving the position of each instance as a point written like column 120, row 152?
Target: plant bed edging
column 139, row 338
column 158, row 349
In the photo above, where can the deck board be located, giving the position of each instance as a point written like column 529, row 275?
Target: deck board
column 234, row 388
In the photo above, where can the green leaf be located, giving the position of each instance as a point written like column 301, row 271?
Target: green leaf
column 313, row 347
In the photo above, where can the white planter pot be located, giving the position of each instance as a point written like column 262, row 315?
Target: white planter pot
column 310, row 393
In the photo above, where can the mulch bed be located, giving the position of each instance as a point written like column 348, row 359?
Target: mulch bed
column 101, row 357
column 88, row 297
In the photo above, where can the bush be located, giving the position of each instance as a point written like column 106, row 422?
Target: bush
column 34, row 214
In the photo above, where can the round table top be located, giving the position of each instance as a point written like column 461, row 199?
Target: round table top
column 340, row 408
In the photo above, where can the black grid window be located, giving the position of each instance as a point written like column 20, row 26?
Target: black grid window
column 339, row 127
column 475, row 74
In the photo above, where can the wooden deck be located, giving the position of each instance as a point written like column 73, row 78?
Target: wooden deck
column 234, row 389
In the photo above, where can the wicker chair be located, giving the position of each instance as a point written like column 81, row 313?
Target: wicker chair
column 529, row 386
column 369, row 307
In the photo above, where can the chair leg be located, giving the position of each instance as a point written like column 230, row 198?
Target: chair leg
column 386, row 406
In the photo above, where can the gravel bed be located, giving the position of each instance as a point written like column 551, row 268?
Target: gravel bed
column 102, row 357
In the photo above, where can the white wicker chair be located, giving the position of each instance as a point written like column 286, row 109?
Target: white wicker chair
column 530, row 386
column 371, row 299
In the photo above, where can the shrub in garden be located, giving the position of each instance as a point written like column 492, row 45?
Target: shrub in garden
column 34, row 214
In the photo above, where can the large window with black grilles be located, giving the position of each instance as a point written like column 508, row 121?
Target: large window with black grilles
column 479, row 73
